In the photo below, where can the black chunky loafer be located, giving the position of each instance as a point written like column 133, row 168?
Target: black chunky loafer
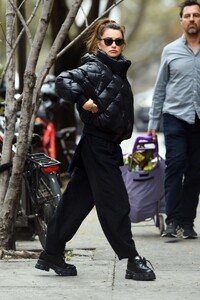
column 56, row 263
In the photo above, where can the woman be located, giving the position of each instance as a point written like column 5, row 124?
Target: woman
column 105, row 103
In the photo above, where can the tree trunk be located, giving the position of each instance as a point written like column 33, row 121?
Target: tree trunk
column 8, row 208
column 12, row 187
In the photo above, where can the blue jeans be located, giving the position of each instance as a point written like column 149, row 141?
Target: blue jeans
column 182, row 175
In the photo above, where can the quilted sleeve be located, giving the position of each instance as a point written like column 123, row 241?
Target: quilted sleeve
column 77, row 85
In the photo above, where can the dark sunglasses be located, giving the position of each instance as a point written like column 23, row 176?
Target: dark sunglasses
column 109, row 41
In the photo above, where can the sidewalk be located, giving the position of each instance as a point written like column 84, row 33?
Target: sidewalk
column 101, row 274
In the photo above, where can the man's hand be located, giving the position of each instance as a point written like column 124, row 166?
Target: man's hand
column 152, row 132
column 90, row 106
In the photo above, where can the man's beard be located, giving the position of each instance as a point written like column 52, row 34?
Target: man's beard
column 193, row 31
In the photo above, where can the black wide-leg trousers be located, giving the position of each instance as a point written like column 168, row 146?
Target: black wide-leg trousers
column 97, row 181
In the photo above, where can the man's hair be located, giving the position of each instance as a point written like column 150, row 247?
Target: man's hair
column 187, row 3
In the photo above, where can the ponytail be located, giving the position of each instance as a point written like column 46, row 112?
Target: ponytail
column 95, row 32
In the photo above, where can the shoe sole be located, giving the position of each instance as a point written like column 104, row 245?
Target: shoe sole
column 189, row 237
column 169, row 235
column 46, row 266
column 140, row 276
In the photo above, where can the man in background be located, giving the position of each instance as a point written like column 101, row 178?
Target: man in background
column 177, row 98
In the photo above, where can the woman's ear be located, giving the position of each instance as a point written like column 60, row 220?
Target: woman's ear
column 98, row 44
column 124, row 46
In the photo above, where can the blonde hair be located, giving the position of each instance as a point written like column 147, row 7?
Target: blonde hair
column 96, row 31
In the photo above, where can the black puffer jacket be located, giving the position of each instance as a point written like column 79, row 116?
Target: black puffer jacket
column 104, row 80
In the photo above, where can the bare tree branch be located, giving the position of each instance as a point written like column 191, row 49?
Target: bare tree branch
column 60, row 38
column 54, row 50
column 40, row 34
column 22, row 21
column 18, row 39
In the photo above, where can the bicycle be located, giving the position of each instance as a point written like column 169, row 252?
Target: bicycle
column 40, row 191
column 56, row 142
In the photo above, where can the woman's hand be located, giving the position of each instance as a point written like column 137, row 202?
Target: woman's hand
column 90, row 106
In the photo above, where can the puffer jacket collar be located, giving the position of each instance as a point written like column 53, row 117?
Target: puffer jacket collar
column 118, row 66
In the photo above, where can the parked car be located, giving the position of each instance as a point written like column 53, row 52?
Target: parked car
column 142, row 104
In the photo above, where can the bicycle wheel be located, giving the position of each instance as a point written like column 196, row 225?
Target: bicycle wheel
column 46, row 191
column 41, row 229
column 24, row 223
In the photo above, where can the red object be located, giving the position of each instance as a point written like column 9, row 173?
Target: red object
column 51, row 169
column 49, row 141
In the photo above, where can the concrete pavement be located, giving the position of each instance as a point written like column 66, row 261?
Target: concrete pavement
column 101, row 274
